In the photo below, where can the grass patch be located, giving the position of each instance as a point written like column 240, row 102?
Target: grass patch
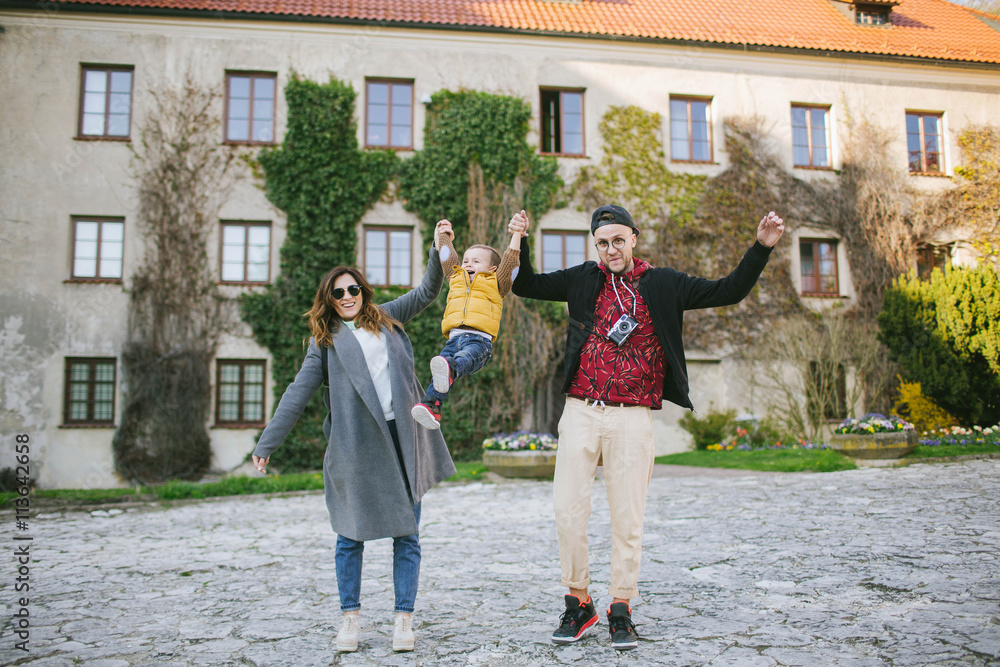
column 468, row 471
column 768, row 460
column 928, row 451
column 229, row 486
column 238, row 486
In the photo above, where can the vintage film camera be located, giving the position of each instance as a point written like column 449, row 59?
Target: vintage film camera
column 621, row 329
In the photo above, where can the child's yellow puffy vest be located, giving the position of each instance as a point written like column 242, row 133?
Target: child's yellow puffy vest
column 477, row 306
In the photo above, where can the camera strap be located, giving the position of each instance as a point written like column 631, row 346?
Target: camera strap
column 620, row 304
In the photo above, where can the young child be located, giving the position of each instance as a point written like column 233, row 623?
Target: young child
column 471, row 318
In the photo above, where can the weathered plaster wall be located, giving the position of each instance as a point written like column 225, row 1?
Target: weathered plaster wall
column 48, row 176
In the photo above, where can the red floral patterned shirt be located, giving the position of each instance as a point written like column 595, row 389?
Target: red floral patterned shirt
column 631, row 373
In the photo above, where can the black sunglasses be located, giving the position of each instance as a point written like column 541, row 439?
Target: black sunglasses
column 338, row 292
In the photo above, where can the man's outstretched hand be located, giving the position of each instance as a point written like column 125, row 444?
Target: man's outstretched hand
column 770, row 229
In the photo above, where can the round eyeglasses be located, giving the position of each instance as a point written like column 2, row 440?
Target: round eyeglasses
column 338, row 292
column 602, row 245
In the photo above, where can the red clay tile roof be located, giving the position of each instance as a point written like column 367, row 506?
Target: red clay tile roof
column 933, row 29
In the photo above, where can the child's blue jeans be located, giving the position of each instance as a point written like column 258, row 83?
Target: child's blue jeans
column 466, row 354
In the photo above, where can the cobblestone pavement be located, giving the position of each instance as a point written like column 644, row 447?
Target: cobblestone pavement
column 869, row 567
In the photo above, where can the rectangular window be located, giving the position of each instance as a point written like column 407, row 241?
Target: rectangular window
column 89, row 391
column 105, row 101
column 818, row 261
column 246, row 252
column 930, row 257
column 561, row 250
column 250, row 100
column 387, row 255
column 872, row 17
column 389, row 119
column 923, row 142
column 690, row 129
column 810, row 136
column 562, row 122
column 98, row 248
column 239, row 392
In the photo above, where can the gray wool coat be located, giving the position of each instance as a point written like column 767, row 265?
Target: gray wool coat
column 366, row 494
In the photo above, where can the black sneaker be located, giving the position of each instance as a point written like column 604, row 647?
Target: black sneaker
column 575, row 621
column 623, row 634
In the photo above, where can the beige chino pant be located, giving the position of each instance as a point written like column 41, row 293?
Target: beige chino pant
column 624, row 438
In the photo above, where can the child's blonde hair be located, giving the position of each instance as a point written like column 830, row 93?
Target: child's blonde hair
column 494, row 255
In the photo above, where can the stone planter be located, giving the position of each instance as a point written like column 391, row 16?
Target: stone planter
column 875, row 446
column 526, row 463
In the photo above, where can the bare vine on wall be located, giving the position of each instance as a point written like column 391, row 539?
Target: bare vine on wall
column 176, row 312
column 526, row 352
column 973, row 205
column 867, row 208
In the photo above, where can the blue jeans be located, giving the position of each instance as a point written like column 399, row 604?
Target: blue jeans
column 466, row 354
column 405, row 569
column 405, row 561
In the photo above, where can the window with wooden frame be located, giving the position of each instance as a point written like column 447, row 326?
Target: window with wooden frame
column 690, row 129
column 562, row 121
column 239, row 392
column 811, row 136
column 818, row 267
column 923, row 142
column 930, row 257
column 388, row 255
column 245, row 254
column 250, row 102
column 389, row 113
column 89, row 391
column 561, row 250
column 872, row 17
column 105, row 101
column 98, row 249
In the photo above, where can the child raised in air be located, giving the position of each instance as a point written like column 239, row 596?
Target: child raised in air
column 476, row 289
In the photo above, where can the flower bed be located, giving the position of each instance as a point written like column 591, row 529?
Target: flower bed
column 520, row 454
column 873, row 422
column 961, row 437
column 521, row 441
column 744, row 441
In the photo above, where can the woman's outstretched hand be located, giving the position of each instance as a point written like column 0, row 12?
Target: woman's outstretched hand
column 259, row 463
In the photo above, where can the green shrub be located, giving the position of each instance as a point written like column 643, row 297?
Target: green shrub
column 324, row 183
column 710, row 429
column 945, row 334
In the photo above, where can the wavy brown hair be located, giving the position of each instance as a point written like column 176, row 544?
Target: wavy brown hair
column 323, row 318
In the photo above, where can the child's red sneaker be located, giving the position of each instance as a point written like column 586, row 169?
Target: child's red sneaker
column 441, row 374
column 428, row 416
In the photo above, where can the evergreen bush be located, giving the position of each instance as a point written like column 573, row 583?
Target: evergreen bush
column 945, row 334
column 710, row 429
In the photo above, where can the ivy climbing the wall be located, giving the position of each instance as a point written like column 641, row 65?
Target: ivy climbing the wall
column 324, row 184
column 691, row 222
column 476, row 169
column 470, row 127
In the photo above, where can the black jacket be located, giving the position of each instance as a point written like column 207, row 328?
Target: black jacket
column 667, row 293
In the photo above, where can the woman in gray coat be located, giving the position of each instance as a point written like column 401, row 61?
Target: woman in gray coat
column 378, row 464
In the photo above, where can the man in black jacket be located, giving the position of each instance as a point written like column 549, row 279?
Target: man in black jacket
column 624, row 355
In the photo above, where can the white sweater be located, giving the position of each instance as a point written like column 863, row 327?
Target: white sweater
column 377, row 358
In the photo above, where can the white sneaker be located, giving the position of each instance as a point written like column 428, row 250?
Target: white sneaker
column 347, row 638
column 441, row 374
column 402, row 636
